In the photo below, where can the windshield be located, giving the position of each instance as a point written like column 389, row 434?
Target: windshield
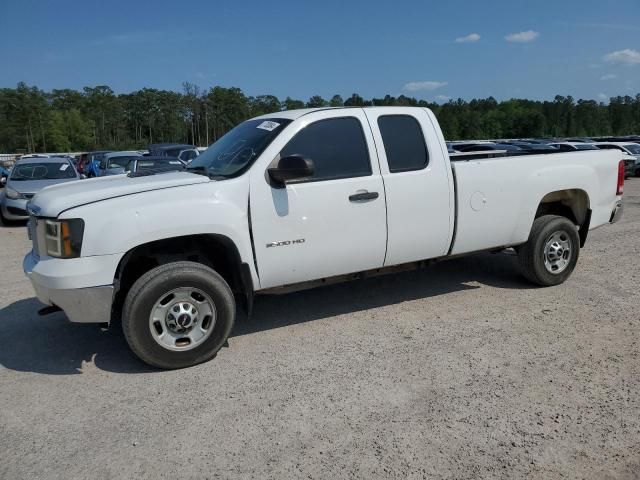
column 159, row 165
column 238, row 149
column 43, row 171
column 635, row 149
column 120, row 162
column 586, row 147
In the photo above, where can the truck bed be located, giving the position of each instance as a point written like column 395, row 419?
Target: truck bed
column 497, row 198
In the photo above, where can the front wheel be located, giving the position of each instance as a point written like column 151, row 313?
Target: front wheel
column 178, row 315
column 551, row 253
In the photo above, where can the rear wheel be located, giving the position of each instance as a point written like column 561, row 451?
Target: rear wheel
column 552, row 251
column 178, row 315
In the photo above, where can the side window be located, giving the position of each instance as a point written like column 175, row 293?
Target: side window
column 337, row 147
column 188, row 155
column 403, row 143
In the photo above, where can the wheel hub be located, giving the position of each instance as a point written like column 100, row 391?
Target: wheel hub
column 557, row 252
column 181, row 317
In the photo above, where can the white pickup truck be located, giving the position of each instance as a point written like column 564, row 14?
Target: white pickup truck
column 295, row 199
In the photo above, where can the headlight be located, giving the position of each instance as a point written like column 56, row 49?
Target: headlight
column 13, row 194
column 64, row 237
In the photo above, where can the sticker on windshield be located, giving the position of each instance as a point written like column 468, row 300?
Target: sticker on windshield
column 64, row 166
column 269, row 126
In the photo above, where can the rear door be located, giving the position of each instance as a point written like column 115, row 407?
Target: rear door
column 418, row 183
column 332, row 224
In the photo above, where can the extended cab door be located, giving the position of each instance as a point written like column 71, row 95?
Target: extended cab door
column 324, row 226
column 418, row 183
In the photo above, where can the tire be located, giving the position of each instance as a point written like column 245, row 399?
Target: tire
column 550, row 238
column 149, row 295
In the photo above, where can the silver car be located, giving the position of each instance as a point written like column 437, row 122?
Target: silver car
column 116, row 163
column 28, row 177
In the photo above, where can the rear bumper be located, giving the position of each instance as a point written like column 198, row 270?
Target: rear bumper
column 81, row 305
column 616, row 215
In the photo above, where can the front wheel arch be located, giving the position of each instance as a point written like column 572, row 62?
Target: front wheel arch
column 215, row 251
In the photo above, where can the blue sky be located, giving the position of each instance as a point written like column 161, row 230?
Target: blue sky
column 427, row 49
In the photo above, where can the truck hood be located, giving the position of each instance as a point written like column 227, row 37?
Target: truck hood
column 52, row 201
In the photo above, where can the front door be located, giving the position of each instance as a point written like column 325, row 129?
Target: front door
column 331, row 224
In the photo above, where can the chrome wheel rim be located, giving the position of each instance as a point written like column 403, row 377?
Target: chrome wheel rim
column 557, row 252
column 182, row 319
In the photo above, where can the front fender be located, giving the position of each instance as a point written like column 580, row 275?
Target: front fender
column 117, row 225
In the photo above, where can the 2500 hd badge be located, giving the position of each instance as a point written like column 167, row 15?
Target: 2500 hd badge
column 285, row 243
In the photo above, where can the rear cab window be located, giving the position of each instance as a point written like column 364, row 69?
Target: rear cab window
column 404, row 143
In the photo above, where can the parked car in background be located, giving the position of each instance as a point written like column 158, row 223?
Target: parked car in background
column 533, row 147
column 4, row 173
column 28, row 177
column 573, row 146
column 630, row 166
column 115, row 163
column 152, row 165
column 184, row 152
column 579, row 140
column 630, row 148
column 32, row 155
column 90, row 162
column 485, row 147
column 141, row 165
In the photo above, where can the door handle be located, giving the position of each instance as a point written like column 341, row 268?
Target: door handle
column 359, row 197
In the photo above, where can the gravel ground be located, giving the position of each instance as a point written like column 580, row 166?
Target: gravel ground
column 461, row 370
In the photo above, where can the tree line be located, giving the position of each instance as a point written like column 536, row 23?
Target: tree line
column 34, row 120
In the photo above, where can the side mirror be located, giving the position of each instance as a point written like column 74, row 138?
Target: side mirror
column 293, row 167
column 103, row 165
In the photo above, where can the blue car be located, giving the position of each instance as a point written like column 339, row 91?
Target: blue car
column 92, row 167
column 4, row 174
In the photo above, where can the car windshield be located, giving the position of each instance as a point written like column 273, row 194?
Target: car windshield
column 237, row 150
column 120, row 162
column 43, row 171
column 586, row 147
column 635, row 149
column 159, row 165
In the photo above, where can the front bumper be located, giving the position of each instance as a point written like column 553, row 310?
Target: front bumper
column 616, row 215
column 14, row 209
column 81, row 305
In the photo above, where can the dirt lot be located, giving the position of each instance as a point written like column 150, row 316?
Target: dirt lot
column 460, row 370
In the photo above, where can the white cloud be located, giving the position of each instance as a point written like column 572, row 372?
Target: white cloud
column 609, row 76
column 603, row 97
column 628, row 56
column 416, row 86
column 522, row 37
column 472, row 37
column 443, row 98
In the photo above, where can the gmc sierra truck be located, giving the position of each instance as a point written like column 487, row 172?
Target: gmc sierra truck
column 292, row 200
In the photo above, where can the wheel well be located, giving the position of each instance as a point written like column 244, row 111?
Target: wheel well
column 572, row 204
column 215, row 251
